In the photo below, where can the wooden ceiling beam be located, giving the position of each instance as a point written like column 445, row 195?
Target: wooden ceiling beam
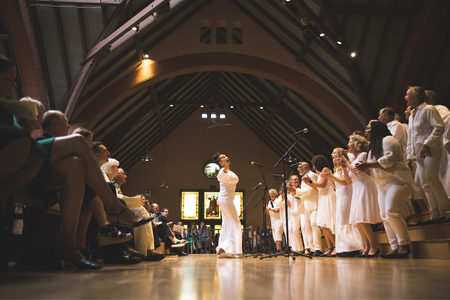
column 274, row 111
column 373, row 11
column 78, row 2
column 62, row 46
column 302, row 53
column 72, row 97
column 362, row 38
column 118, row 33
column 104, row 16
column 43, row 57
column 245, row 84
column 356, row 79
column 154, row 99
column 82, row 32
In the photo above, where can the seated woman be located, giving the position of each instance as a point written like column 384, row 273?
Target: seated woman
column 68, row 166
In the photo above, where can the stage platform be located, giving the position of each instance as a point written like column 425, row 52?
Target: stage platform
column 202, row 276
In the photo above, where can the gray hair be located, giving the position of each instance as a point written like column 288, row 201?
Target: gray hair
column 389, row 111
column 106, row 167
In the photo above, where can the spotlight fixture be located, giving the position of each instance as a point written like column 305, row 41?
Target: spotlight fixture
column 231, row 106
column 157, row 15
column 134, row 28
column 213, row 116
column 171, row 105
column 339, row 41
column 308, row 35
column 353, row 54
column 163, row 186
column 204, row 115
column 261, row 107
column 222, row 115
column 145, row 55
column 322, row 34
column 201, row 106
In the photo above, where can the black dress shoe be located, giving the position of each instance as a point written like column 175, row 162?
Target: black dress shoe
column 429, row 222
column 154, row 256
column 443, row 220
column 373, row 255
column 350, row 253
column 402, row 255
column 388, row 255
column 317, row 253
column 134, row 252
column 123, row 259
column 182, row 254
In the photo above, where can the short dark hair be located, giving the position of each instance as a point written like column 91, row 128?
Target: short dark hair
column 389, row 111
column 96, row 146
column 320, row 162
column 83, row 131
column 164, row 209
column 5, row 63
column 216, row 157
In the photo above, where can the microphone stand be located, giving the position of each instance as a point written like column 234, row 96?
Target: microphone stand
column 264, row 232
column 287, row 252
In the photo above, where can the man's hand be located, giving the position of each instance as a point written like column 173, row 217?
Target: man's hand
column 425, row 151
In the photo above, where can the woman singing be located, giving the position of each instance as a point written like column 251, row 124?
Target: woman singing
column 230, row 240
column 389, row 170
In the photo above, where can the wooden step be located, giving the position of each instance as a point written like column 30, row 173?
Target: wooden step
column 429, row 249
column 421, row 233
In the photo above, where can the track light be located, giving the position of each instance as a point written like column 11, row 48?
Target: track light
column 322, row 34
column 339, row 41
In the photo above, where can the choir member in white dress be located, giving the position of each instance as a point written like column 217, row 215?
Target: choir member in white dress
column 326, row 212
column 230, row 240
column 276, row 222
column 387, row 166
column 424, row 146
column 348, row 239
column 310, row 230
column 364, row 210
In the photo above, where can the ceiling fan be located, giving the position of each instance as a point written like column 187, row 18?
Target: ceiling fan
column 217, row 124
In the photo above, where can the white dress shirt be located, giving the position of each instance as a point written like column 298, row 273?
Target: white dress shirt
column 425, row 128
column 393, row 163
column 399, row 132
column 308, row 194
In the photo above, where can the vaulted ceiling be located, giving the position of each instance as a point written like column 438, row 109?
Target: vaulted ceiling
column 85, row 58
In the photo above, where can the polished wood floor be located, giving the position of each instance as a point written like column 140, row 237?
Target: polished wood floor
column 206, row 277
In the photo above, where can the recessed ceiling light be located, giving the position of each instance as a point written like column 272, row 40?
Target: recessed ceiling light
column 353, row 54
column 171, row 105
column 231, row 106
column 201, row 106
column 261, row 107
column 322, row 34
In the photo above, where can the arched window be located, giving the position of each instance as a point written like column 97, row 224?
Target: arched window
column 237, row 36
column 205, row 35
column 221, row 35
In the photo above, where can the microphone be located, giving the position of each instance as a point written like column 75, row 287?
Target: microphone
column 256, row 164
column 257, row 186
column 278, row 175
column 300, row 132
column 295, row 165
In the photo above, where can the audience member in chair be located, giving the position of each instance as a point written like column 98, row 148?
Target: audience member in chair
column 166, row 235
column 55, row 124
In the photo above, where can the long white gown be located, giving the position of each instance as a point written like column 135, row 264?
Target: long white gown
column 230, row 239
column 364, row 207
column 326, row 211
column 348, row 238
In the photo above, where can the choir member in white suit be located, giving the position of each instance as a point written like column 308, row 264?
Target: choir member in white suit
column 230, row 240
column 273, row 211
column 394, row 183
column 310, row 230
column 424, row 146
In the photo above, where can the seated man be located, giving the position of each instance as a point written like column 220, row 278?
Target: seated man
column 166, row 235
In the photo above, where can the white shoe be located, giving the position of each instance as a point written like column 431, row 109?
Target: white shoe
column 222, row 255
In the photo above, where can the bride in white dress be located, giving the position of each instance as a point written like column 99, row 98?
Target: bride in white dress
column 230, row 240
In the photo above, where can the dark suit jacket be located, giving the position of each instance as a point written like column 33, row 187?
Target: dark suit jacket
column 45, row 136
